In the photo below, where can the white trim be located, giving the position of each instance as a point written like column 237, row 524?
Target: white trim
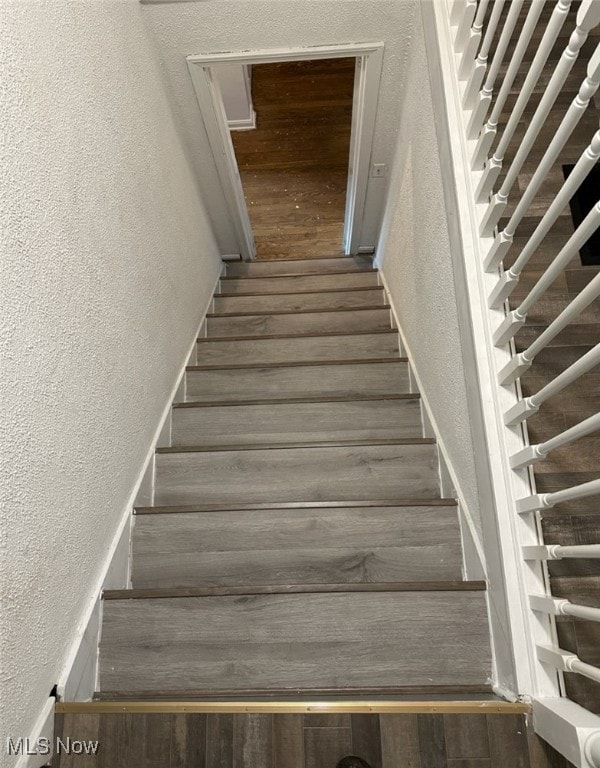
column 43, row 729
column 369, row 59
column 246, row 124
column 76, row 678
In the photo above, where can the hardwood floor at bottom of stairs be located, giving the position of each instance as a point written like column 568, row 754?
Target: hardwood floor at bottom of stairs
column 305, row 741
column 297, row 641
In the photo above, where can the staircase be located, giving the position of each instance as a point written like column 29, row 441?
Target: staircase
column 298, row 543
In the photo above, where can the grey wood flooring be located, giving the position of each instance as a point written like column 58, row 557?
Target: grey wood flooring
column 305, row 741
column 348, row 380
column 296, row 266
column 298, row 546
column 309, row 349
column 305, row 322
column 298, row 474
column 326, row 299
column 281, row 422
column 289, row 641
column 281, row 284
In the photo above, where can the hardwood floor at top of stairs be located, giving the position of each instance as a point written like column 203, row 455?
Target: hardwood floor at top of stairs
column 297, row 541
column 294, row 165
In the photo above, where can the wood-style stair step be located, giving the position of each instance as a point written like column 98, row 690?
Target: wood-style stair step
column 350, row 298
column 349, row 639
column 354, row 471
column 408, row 699
column 294, row 283
column 269, row 350
column 342, row 378
column 323, row 265
column 313, row 545
column 293, row 421
column 334, row 320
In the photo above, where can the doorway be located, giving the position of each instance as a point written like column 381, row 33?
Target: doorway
column 294, row 164
column 366, row 60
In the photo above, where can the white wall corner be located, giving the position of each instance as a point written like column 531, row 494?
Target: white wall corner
column 41, row 739
column 78, row 680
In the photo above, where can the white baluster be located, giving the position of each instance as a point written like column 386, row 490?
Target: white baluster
column 530, row 405
column 484, row 97
column 511, row 276
column 534, row 453
column 547, row 500
column 521, row 362
column 588, row 17
column 558, row 552
column 515, row 319
column 476, row 79
column 568, row 124
column 566, row 661
column 488, row 134
column 494, row 166
column 557, row 606
column 467, row 60
column 464, row 27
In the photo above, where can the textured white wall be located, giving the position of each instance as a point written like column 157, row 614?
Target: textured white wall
column 107, row 264
column 415, row 259
column 181, row 29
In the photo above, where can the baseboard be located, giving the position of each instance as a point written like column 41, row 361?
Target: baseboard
column 78, row 680
column 474, row 561
column 40, row 742
column 247, row 124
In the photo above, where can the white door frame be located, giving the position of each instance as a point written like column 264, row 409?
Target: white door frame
column 369, row 57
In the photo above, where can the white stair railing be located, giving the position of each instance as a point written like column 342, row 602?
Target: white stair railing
column 490, row 129
column 479, row 90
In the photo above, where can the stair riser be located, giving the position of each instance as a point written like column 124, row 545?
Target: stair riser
column 304, row 641
column 301, row 546
column 293, row 474
column 314, row 348
column 299, row 283
column 302, row 381
column 299, row 301
column 320, row 322
column 292, row 267
column 297, row 422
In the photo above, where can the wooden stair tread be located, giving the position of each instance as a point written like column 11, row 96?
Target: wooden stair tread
column 315, row 273
column 296, row 445
column 300, row 363
column 295, row 640
column 311, row 311
column 427, row 691
column 274, row 505
column 311, row 546
column 330, row 322
column 297, row 291
column 298, row 400
column 289, row 589
column 312, row 335
column 298, row 422
column 298, row 348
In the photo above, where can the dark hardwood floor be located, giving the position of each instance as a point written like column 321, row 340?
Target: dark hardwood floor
column 305, row 741
column 294, row 165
